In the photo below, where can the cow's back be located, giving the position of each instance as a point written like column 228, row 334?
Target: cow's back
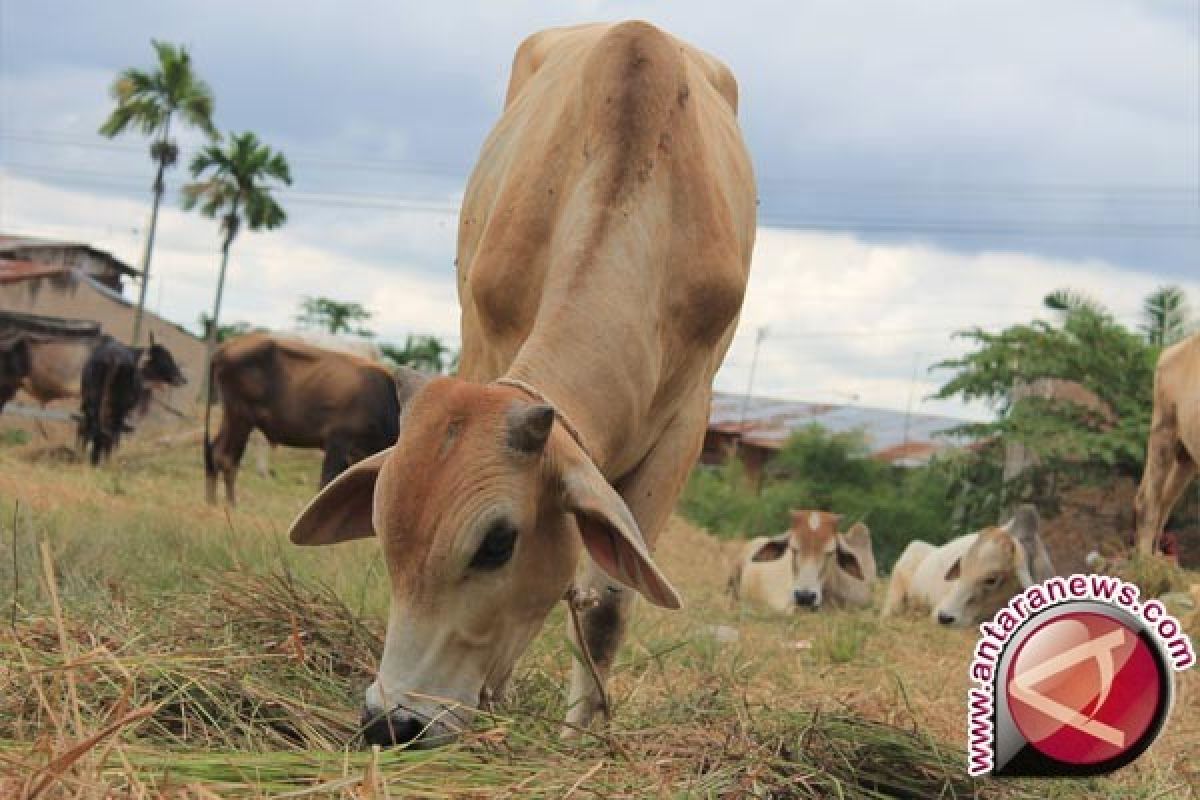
column 56, row 367
column 609, row 222
column 1177, row 391
column 298, row 394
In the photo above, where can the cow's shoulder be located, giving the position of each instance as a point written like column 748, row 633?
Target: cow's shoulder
column 623, row 45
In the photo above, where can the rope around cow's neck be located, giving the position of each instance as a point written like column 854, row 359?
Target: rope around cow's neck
column 577, row 600
column 562, row 418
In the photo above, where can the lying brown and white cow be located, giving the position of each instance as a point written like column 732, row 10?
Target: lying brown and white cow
column 1173, row 449
column 808, row 566
column 969, row 579
column 298, row 395
column 604, row 246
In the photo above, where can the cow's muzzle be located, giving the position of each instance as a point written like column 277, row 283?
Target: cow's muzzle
column 806, row 599
column 400, row 727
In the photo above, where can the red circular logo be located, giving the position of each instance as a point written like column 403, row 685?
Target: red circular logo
column 1084, row 688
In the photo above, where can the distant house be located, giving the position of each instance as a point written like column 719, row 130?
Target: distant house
column 75, row 281
column 758, row 427
column 101, row 266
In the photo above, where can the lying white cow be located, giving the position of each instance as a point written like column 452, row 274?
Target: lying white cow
column 970, row 578
column 807, row 566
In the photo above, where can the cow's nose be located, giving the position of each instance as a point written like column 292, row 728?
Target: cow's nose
column 944, row 618
column 391, row 729
column 804, row 597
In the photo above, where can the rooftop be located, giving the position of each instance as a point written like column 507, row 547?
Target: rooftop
column 12, row 242
column 895, row 436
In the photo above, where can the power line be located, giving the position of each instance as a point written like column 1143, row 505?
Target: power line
column 1013, row 228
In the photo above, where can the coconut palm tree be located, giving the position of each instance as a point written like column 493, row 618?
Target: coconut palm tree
column 1167, row 316
column 148, row 101
column 235, row 184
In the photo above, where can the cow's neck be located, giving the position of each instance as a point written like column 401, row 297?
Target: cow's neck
column 595, row 410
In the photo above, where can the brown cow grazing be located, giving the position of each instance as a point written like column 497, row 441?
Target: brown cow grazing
column 1173, row 450
column 14, row 367
column 298, row 395
column 603, row 251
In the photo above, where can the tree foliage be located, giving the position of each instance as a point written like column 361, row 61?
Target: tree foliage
column 147, row 100
column 426, row 353
column 1087, row 346
column 236, row 184
column 827, row 471
column 224, row 332
column 323, row 313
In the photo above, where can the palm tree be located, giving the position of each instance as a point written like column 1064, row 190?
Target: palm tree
column 147, row 101
column 236, row 188
column 1166, row 315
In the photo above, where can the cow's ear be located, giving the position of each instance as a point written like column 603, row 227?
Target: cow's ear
column 955, row 571
column 772, row 549
column 1024, row 528
column 853, row 548
column 847, row 562
column 1020, row 564
column 343, row 509
column 610, row 533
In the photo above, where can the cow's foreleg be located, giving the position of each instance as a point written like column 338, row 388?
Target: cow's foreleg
column 1158, row 510
column 227, row 451
column 337, row 458
column 650, row 492
column 1168, row 470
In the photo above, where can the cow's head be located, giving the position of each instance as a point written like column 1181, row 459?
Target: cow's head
column 482, row 508
column 999, row 563
column 15, row 365
column 815, row 548
column 158, row 366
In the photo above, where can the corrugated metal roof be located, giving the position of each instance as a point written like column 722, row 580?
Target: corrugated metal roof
column 893, row 436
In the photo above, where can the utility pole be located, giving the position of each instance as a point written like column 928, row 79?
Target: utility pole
column 912, row 385
column 759, row 335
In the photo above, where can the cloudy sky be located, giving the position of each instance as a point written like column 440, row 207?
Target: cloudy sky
column 923, row 166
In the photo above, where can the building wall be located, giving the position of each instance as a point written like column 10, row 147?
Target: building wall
column 70, row 296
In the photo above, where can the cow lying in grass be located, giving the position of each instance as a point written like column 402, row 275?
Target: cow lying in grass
column 970, row 578
column 808, row 566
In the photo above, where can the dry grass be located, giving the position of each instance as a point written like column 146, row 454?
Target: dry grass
column 164, row 649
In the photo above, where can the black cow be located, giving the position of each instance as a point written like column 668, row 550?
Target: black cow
column 113, row 384
column 15, row 364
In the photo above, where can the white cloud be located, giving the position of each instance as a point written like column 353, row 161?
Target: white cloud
column 848, row 320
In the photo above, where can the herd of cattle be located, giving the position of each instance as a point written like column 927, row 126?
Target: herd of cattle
column 960, row 583
column 604, row 247
column 53, row 359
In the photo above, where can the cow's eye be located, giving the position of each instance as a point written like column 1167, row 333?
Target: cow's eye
column 992, row 582
column 496, row 548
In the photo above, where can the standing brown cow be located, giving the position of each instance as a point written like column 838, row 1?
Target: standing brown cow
column 1173, row 449
column 604, row 246
column 298, row 395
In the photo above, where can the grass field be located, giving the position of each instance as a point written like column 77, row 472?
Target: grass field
column 159, row 647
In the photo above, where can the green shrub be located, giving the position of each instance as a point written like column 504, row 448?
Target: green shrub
column 833, row 472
